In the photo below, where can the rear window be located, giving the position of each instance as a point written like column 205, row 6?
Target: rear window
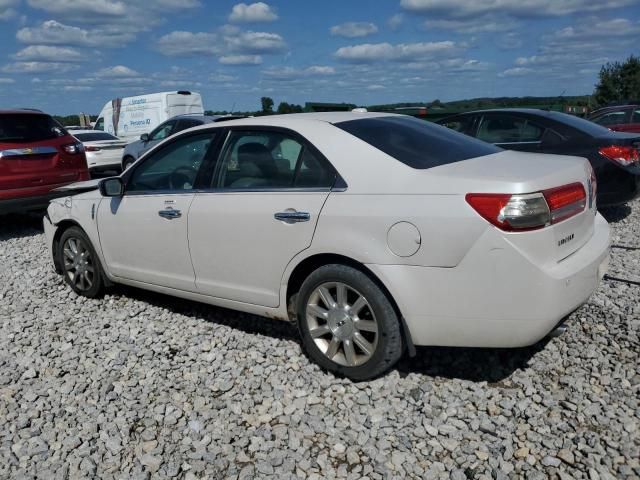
column 29, row 127
column 94, row 136
column 417, row 143
column 584, row 126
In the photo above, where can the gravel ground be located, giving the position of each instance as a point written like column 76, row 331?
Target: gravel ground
column 137, row 385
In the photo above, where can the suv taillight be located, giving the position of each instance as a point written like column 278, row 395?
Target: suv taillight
column 73, row 148
column 622, row 155
column 531, row 211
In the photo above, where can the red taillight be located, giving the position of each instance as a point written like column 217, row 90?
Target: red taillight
column 522, row 212
column 622, row 155
column 73, row 148
column 91, row 149
column 565, row 201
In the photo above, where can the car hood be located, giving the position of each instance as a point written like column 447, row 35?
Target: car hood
column 79, row 187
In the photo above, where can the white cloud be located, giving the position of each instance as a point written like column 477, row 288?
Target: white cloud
column 252, row 13
column 78, row 88
column 240, row 59
column 395, row 21
column 375, row 87
column 189, row 43
column 516, row 72
column 371, row 52
column 255, row 43
column 287, row 73
column 52, row 32
column 472, row 25
column 6, row 81
column 353, row 29
column 517, row 8
column 44, row 53
column 228, row 43
column 6, row 10
column 38, row 67
column 117, row 71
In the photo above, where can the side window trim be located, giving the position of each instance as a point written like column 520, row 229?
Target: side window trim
column 213, row 149
column 338, row 183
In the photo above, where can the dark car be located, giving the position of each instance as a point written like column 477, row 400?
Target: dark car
column 176, row 124
column 614, row 156
column 37, row 155
column 621, row 118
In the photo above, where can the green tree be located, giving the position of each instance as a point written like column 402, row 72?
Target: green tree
column 267, row 105
column 285, row 107
column 619, row 82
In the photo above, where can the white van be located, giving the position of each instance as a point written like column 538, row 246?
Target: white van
column 130, row 117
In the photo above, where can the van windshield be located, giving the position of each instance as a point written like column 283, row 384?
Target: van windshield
column 29, row 127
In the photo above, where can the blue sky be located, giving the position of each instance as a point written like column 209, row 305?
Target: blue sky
column 68, row 56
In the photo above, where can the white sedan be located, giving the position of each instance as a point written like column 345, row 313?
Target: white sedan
column 103, row 150
column 373, row 232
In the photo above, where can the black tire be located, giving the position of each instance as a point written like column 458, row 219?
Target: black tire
column 127, row 162
column 85, row 276
column 388, row 343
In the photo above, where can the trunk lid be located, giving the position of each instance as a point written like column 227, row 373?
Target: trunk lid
column 513, row 172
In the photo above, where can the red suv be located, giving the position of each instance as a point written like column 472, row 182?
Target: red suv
column 621, row 118
column 37, row 155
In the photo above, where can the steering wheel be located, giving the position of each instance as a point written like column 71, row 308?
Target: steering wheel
column 182, row 176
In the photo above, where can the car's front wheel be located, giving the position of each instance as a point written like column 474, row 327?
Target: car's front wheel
column 347, row 323
column 80, row 264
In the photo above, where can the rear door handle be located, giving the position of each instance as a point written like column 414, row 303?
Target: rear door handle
column 170, row 213
column 292, row 217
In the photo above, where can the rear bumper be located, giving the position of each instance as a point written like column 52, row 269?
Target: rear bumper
column 495, row 297
column 24, row 204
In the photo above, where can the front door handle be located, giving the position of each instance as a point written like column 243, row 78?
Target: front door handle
column 292, row 216
column 170, row 213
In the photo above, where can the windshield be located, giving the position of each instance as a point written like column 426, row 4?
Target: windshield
column 417, row 143
column 29, row 127
column 94, row 136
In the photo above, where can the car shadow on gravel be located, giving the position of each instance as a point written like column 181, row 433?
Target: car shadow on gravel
column 491, row 365
column 244, row 322
column 472, row 364
column 615, row 214
column 20, row 225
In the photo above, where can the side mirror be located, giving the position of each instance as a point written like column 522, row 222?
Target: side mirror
column 111, row 187
column 144, row 137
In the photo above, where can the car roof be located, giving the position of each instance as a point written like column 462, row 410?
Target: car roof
column 13, row 111
column 292, row 119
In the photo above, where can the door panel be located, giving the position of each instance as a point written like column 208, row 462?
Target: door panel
column 239, row 250
column 139, row 244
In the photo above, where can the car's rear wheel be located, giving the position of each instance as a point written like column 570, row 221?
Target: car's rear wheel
column 127, row 162
column 347, row 323
column 80, row 265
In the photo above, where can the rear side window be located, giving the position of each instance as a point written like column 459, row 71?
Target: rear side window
column 417, row 143
column 29, row 127
column 508, row 129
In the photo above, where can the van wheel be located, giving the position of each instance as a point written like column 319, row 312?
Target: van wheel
column 347, row 324
column 80, row 265
column 127, row 162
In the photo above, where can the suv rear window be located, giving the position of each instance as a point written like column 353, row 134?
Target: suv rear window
column 29, row 127
column 417, row 143
column 94, row 136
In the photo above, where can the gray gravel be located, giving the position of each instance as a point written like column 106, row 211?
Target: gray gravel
column 137, row 385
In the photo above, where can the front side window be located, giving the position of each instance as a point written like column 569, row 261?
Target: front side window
column 460, row 124
column 257, row 160
column 99, row 124
column 163, row 131
column 507, row 129
column 416, row 143
column 612, row 118
column 174, row 167
column 635, row 116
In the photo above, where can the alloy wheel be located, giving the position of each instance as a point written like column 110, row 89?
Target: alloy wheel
column 78, row 263
column 342, row 324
